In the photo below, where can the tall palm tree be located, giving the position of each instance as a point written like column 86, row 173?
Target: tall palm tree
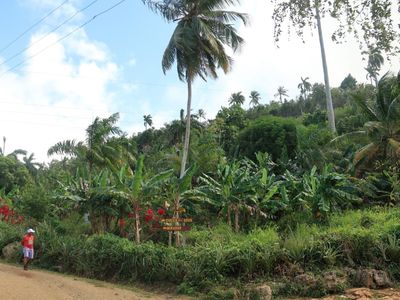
column 237, row 99
column 304, row 87
column 99, row 148
column 198, row 46
column 329, row 103
column 198, row 43
column 255, row 98
column 148, row 121
column 282, row 92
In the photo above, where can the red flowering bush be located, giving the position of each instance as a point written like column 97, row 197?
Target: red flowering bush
column 9, row 215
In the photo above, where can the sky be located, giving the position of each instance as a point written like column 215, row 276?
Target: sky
column 54, row 80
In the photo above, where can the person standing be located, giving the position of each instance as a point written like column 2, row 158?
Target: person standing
column 27, row 244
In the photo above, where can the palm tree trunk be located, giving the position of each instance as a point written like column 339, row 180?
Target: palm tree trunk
column 185, row 148
column 187, row 130
column 331, row 114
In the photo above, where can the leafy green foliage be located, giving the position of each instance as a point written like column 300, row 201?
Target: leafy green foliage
column 272, row 135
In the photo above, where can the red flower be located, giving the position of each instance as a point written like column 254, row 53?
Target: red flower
column 148, row 218
column 150, row 212
column 131, row 215
column 122, row 223
column 161, row 211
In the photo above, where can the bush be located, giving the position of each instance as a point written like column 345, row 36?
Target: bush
column 274, row 135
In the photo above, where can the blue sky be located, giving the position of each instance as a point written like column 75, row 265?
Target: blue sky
column 113, row 65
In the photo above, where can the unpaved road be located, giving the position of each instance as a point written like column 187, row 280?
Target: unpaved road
column 17, row 284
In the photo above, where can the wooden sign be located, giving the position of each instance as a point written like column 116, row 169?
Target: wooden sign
column 177, row 220
column 175, row 228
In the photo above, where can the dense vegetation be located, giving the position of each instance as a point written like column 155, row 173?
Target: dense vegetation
column 270, row 188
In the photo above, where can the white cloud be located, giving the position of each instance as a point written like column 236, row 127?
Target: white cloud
column 52, row 97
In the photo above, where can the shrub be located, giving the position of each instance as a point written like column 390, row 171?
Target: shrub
column 274, row 135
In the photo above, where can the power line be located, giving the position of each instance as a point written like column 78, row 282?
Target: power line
column 63, row 37
column 32, row 26
column 50, row 32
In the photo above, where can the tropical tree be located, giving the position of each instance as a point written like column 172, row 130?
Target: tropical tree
column 31, row 165
column 375, row 62
column 305, row 87
column 383, row 129
column 148, row 121
column 99, row 149
column 282, row 92
column 237, row 99
column 201, row 114
column 198, row 43
column 255, row 98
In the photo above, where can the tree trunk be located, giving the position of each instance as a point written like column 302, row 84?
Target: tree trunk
column 185, row 148
column 137, row 225
column 176, row 215
column 236, row 210
column 331, row 114
column 187, row 130
column 228, row 216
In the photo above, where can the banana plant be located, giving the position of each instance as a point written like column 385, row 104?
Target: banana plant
column 230, row 190
column 135, row 187
column 327, row 191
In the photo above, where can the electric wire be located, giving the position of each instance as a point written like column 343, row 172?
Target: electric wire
column 32, row 26
column 63, row 37
column 50, row 32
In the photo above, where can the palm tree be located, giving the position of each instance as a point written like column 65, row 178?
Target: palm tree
column 255, row 98
column 383, row 131
column 148, row 121
column 31, row 165
column 198, row 45
column 329, row 103
column 282, row 92
column 237, row 99
column 304, row 87
column 201, row 114
column 375, row 62
column 99, row 148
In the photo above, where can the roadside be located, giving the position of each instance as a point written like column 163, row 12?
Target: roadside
column 16, row 284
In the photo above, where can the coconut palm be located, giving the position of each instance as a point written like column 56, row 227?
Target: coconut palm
column 148, row 121
column 282, row 92
column 383, row 129
column 198, row 43
column 237, row 99
column 99, row 149
column 329, row 103
column 255, row 98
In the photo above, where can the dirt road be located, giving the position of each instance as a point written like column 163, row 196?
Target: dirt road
column 17, row 284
